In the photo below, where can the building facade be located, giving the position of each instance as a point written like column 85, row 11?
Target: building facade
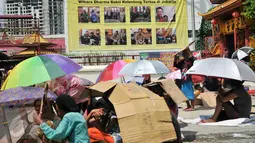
column 56, row 16
column 48, row 12
column 230, row 29
column 200, row 6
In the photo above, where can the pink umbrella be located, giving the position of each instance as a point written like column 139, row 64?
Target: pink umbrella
column 112, row 71
column 174, row 75
column 71, row 85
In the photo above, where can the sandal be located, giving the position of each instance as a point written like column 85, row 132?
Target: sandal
column 189, row 109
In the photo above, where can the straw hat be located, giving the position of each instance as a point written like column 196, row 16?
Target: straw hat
column 185, row 48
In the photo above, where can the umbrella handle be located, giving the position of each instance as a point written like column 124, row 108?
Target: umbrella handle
column 54, row 110
column 123, row 79
column 41, row 106
column 44, row 97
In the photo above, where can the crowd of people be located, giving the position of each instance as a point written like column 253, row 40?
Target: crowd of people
column 77, row 116
column 73, row 117
column 226, row 89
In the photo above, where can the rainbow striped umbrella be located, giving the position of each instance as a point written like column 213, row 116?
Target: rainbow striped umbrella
column 39, row 69
column 112, row 71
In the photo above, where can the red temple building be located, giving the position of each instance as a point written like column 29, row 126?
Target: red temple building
column 230, row 29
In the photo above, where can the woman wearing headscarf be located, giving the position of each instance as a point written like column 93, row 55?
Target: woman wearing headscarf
column 185, row 84
column 72, row 127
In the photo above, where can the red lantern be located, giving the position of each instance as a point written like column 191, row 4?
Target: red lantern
column 235, row 14
column 214, row 22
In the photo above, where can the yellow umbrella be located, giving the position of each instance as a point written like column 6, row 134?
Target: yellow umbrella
column 129, row 60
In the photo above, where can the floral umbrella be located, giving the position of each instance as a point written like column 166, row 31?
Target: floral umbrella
column 23, row 95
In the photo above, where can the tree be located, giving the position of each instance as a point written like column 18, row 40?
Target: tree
column 249, row 11
column 204, row 31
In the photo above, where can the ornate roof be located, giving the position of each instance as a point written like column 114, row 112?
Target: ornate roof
column 217, row 1
column 222, row 8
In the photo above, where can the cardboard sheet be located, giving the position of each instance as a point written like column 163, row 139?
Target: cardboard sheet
column 142, row 115
column 208, row 99
column 171, row 89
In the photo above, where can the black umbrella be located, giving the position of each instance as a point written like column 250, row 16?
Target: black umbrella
column 242, row 53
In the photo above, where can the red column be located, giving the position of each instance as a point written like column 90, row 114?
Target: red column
column 235, row 38
column 247, row 35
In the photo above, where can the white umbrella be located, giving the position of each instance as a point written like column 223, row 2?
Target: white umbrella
column 138, row 79
column 144, row 67
column 223, row 68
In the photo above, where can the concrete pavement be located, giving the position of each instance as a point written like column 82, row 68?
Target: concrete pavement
column 203, row 133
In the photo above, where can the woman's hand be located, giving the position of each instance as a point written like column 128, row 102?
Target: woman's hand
column 97, row 112
column 92, row 120
column 44, row 139
column 93, row 113
column 38, row 119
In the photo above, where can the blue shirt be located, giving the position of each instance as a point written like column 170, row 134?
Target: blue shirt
column 72, row 127
column 94, row 17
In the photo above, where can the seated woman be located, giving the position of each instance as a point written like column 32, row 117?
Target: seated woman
column 102, row 123
column 225, row 109
column 31, row 128
column 72, row 127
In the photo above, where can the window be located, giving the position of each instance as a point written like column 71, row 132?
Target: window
column 190, row 33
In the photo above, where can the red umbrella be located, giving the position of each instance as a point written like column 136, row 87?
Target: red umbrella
column 112, row 71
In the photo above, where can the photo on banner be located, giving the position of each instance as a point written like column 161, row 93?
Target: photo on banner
column 166, row 36
column 114, row 14
column 90, row 37
column 89, row 14
column 141, row 36
column 140, row 14
column 165, row 13
column 115, row 37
